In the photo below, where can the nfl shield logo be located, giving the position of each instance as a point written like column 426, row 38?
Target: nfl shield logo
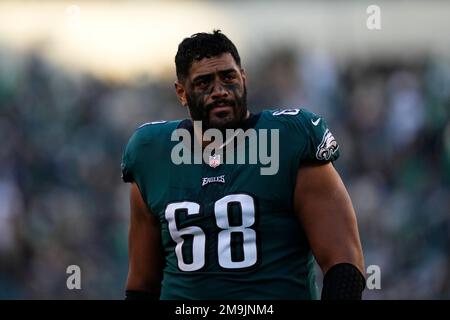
column 214, row 161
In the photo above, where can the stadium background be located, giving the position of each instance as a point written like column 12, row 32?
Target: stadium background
column 76, row 79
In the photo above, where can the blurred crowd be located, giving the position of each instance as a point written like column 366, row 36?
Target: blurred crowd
column 62, row 201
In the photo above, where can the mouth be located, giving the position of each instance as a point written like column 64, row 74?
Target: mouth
column 221, row 110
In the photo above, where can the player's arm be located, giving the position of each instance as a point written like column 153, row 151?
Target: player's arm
column 326, row 213
column 145, row 251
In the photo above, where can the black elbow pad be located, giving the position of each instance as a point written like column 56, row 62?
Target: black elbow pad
column 343, row 281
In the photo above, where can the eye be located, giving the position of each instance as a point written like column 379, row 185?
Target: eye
column 229, row 77
column 201, row 83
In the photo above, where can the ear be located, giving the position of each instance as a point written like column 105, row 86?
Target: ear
column 244, row 76
column 181, row 93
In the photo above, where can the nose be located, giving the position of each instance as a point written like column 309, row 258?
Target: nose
column 218, row 91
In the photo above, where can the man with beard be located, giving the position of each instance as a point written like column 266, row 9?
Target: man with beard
column 241, row 235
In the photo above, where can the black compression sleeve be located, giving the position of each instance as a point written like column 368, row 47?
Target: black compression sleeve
column 140, row 295
column 343, row 281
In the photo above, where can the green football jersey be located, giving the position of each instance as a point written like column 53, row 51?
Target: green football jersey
column 228, row 231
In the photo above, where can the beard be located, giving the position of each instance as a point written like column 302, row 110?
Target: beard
column 231, row 118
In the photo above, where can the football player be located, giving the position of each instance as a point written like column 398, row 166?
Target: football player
column 225, row 231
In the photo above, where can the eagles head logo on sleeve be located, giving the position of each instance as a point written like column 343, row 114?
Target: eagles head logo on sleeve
column 327, row 147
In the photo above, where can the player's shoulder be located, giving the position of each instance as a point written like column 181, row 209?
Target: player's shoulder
column 146, row 140
column 306, row 129
column 150, row 131
column 301, row 118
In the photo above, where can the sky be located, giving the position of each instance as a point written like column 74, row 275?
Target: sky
column 120, row 39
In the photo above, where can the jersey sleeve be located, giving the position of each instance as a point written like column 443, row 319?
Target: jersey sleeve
column 309, row 137
column 128, row 159
column 317, row 144
column 145, row 134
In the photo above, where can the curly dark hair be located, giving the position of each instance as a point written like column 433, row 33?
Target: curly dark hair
column 202, row 45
